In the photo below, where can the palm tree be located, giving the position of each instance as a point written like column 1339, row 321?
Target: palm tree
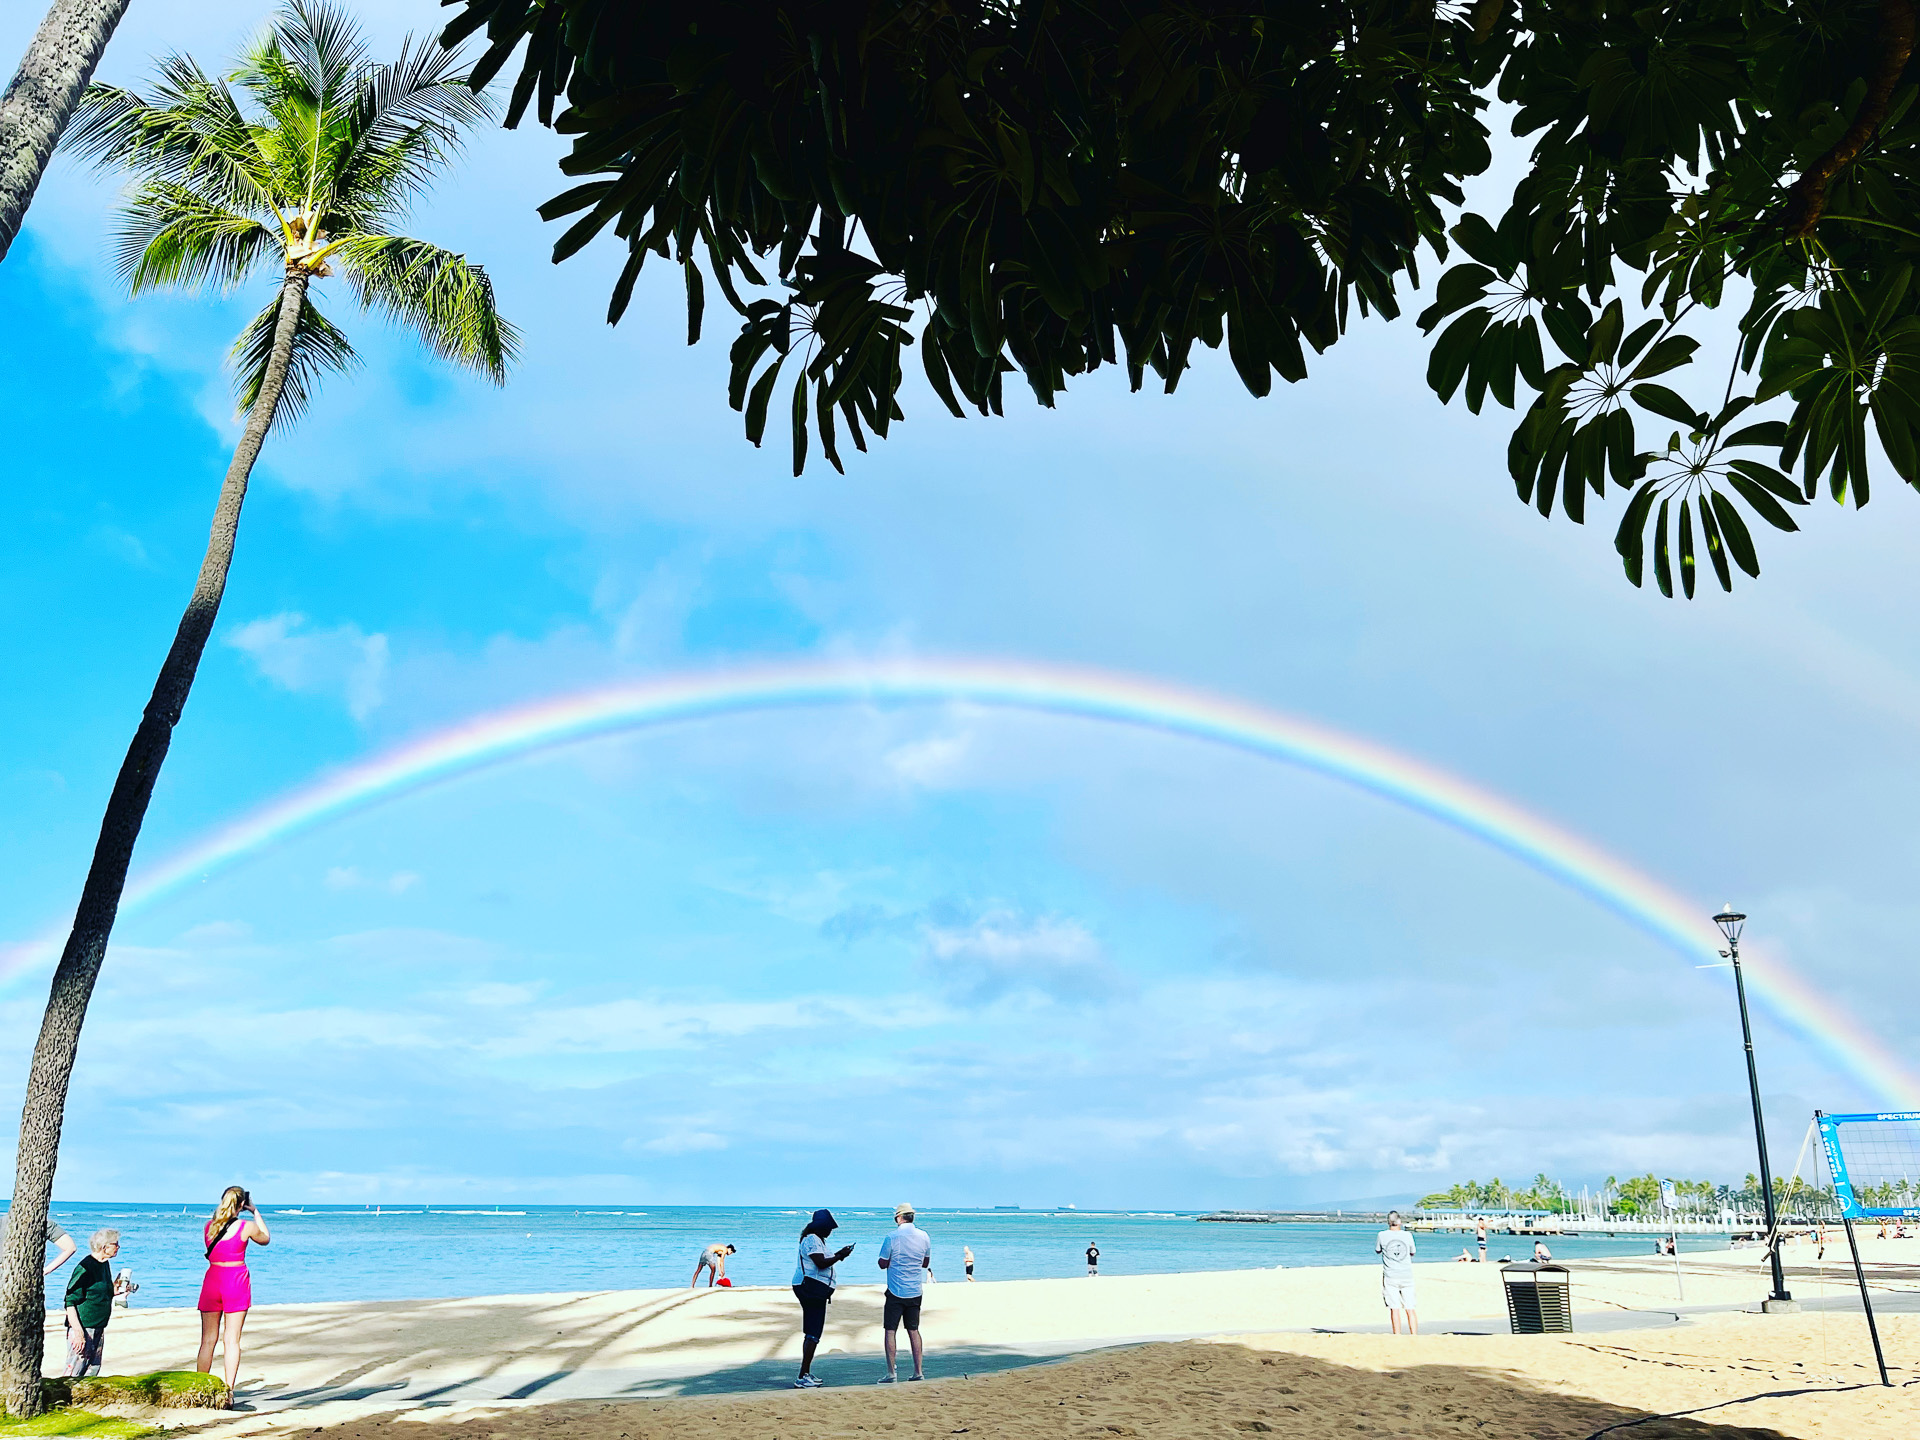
column 301, row 160
column 52, row 77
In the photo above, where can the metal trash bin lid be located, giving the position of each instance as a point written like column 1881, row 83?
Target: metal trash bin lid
column 1536, row 1272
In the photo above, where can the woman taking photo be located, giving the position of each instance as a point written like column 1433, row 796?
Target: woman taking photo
column 227, row 1292
column 813, row 1287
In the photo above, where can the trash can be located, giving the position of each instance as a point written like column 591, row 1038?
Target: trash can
column 1539, row 1298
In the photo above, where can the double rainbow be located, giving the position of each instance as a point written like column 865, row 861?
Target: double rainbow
column 545, row 725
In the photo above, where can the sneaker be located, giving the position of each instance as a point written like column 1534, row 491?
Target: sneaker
column 806, row 1382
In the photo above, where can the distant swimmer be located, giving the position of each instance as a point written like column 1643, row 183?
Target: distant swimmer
column 1093, row 1258
column 1394, row 1246
column 713, row 1260
column 966, row 1258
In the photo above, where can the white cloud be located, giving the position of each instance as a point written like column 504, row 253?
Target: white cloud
column 930, row 761
column 218, row 932
column 684, row 1142
column 631, row 1026
column 349, row 877
column 1002, row 951
column 122, row 545
column 345, row 660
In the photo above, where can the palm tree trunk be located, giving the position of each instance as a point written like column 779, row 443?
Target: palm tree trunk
column 22, row 1288
column 35, row 110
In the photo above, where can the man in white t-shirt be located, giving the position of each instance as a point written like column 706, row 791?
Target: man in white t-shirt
column 1394, row 1246
column 906, row 1255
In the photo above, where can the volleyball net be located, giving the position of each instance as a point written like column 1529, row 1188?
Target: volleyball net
column 1873, row 1161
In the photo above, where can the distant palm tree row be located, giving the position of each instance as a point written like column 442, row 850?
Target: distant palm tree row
column 1642, row 1197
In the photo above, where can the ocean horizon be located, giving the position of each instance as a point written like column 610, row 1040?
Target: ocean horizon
column 326, row 1252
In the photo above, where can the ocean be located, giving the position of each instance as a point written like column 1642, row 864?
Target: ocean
column 405, row 1252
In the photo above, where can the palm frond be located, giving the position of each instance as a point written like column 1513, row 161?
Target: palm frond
column 318, row 348
column 382, row 184
column 170, row 234
column 191, row 133
column 305, row 72
column 447, row 301
column 406, row 124
column 286, row 141
column 425, row 87
column 310, row 55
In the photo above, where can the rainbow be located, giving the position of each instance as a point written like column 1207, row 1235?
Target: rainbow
column 1098, row 695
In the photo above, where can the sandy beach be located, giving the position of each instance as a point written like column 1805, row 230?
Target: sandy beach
column 1731, row 1378
column 498, row 1365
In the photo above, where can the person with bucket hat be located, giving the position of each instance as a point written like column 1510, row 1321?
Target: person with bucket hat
column 906, row 1255
column 813, row 1282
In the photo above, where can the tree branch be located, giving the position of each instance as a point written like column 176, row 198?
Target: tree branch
column 1807, row 199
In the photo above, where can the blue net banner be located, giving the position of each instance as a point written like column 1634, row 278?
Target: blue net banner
column 1874, row 1161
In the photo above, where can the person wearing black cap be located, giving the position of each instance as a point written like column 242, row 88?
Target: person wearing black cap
column 813, row 1284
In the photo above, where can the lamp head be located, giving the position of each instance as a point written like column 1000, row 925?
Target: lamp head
column 1731, row 922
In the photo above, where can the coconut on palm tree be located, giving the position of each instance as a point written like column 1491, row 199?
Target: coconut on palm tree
column 299, row 164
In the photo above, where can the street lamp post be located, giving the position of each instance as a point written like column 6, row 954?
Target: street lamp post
column 1731, row 923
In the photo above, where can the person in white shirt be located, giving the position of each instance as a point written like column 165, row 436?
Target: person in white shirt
column 813, row 1282
column 906, row 1255
column 1394, row 1246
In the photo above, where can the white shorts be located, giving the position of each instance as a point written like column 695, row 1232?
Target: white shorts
column 1398, row 1297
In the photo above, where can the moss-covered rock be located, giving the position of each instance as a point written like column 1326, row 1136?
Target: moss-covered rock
column 172, row 1389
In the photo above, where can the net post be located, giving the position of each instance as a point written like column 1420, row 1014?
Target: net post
column 1866, row 1300
column 1849, row 1203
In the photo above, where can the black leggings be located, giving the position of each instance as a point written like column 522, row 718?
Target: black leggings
column 814, row 1297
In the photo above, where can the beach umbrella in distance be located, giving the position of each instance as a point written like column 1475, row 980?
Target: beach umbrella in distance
column 299, row 164
column 39, row 102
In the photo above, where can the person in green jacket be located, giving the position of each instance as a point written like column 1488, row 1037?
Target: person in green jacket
column 90, row 1304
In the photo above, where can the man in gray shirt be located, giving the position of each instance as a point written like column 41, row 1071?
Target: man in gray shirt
column 1394, row 1246
column 61, row 1241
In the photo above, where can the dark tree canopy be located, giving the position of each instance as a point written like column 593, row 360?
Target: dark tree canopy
column 1052, row 185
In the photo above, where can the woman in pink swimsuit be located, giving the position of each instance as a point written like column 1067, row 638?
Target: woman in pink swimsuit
column 228, row 1289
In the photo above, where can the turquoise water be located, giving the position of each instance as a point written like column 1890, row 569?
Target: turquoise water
column 337, row 1252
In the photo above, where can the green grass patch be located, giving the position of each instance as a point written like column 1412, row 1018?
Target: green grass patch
column 69, row 1421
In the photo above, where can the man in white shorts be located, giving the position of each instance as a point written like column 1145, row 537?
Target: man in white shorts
column 1394, row 1246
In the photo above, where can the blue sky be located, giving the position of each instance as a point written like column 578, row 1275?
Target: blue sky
column 969, row 956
